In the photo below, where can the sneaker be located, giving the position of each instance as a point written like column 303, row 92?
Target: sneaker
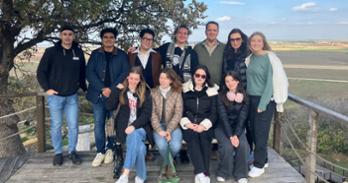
column 243, row 180
column 122, row 179
column 256, row 172
column 76, row 160
column 138, row 180
column 199, row 178
column 266, row 165
column 109, row 156
column 98, row 160
column 58, row 159
column 220, row 179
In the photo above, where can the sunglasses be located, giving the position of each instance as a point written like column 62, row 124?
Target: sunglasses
column 200, row 76
column 235, row 39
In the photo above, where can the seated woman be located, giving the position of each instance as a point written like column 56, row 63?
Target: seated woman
column 166, row 114
column 230, row 132
column 132, row 122
column 199, row 97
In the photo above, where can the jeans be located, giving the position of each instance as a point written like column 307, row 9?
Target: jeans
column 135, row 153
column 100, row 114
column 174, row 143
column 59, row 105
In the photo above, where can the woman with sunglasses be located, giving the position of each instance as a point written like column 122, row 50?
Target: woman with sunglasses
column 230, row 131
column 267, row 88
column 199, row 95
column 134, row 105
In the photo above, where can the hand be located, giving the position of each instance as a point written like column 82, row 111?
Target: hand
column 259, row 110
column 131, row 49
column 106, row 92
column 129, row 129
column 199, row 129
column 162, row 133
column 234, row 141
column 120, row 86
column 191, row 126
column 168, row 136
column 51, row 92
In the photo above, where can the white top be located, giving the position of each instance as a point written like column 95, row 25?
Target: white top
column 144, row 57
column 132, row 102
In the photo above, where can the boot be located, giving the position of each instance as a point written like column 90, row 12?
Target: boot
column 118, row 161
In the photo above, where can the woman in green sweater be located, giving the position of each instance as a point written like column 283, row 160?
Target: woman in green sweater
column 267, row 89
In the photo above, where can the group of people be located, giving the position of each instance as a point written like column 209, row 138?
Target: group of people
column 168, row 94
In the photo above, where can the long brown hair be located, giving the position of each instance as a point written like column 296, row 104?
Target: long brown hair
column 176, row 82
column 139, row 91
column 266, row 46
column 240, row 88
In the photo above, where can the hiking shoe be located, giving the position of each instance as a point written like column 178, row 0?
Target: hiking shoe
column 58, row 159
column 98, row 160
column 76, row 160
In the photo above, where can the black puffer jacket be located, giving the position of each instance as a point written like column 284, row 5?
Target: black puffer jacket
column 232, row 116
column 122, row 118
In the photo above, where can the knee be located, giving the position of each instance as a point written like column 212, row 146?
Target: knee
column 227, row 149
column 175, row 147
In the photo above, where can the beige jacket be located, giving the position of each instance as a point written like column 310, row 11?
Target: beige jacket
column 173, row 109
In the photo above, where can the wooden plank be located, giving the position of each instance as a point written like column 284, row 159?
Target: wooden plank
column 40, row 114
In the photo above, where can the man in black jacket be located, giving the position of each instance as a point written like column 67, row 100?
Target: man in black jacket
column 61, row 73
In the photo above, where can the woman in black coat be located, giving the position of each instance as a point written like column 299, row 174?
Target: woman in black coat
column 199, row 115
column 230, row 132
column 131, row 123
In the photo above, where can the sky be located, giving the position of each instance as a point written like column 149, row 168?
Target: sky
column 279, row 20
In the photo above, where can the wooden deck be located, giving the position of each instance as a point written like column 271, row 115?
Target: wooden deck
column 39, row 169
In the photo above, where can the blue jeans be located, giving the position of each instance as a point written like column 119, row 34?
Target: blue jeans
column 100, row 114
column 59, row 105
column 135, row 153
column 174, row 143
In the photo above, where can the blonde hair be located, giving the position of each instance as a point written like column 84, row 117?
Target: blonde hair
column 265, row 43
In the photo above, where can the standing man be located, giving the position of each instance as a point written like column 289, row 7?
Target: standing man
column 210, row 51
column 147, row 58
column 61, row 73
column 107, row 67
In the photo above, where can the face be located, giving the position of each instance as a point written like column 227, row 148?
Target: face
column 146, row 41
column 164, row 80
column 108, row 39
column 211, row 32
column 67, row 37
column 133, row 80
column 256, row 43
column 181, row 36
column 200, row 77
column 236, row 40
column 231, row 83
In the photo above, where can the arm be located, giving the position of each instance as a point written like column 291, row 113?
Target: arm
column 43, row 71
column 112, row 101
column 82, row 82
column 91, row 73
column 223, row 117
column 124, row 71
column 207, row 123
column 177, row 114
column 155, row 119
column 268, row 92
column 242, row 118
column 145, row 115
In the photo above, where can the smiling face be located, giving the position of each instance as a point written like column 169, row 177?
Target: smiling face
column 199, row 77
column 181, row 36
column 164, row 80
column 256, row 44
column 133, row 80
column 67, row 37
column 212, row 32
column 108, row 40
column 231, row 83
column 236, row 40
column 146, row 41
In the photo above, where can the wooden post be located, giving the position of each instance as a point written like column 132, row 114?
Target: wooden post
column 277, row 132
column 40, row 115
column 312, row 144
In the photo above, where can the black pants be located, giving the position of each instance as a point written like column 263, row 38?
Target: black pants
column 260, row 126
column 199, row 149
column 233, row 161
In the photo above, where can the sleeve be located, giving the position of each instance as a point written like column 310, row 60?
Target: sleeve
column 155, row 119
column 124, row 71
column 268, row 91
column 242, row 118
column 162, row 50
column 145, row 114
column 91, row 73
column 43, row 71
column 112, row 101
column 82, row 81
column 209, row 122
column 223, row 117
column 177, row 114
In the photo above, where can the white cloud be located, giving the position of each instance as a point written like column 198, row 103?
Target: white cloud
column 223, row 19
column 343, row 22
column 305, row 6
column 232, row 2
column 333, row 9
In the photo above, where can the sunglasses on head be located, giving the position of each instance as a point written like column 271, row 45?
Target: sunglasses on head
column 200, row 76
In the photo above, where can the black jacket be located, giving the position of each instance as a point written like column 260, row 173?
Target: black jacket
column 62, row 70
column 232, row 116
column 122, row 118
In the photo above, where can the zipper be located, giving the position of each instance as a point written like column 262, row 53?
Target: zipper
column 197, row 102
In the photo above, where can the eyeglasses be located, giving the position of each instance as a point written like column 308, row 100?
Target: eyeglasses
column 147, row 39
column 200, row 76
column 67, row 34
column 108, row 37
column 235, row 39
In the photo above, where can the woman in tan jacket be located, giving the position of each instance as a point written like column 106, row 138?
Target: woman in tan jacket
column 166, row 113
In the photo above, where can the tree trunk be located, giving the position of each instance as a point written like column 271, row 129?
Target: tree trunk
column 11, row 146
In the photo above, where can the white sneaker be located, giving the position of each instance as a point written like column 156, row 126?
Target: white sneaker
column 98, row 160
column 109, row 156
column 243, row 180
column 206, row 179
column 220, row 179
column 256, row 172
column 122, row 179
column 266, row 165
column 138, row 180
column 199, row 178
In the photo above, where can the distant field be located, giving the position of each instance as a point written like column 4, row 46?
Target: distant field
column 310, row 46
